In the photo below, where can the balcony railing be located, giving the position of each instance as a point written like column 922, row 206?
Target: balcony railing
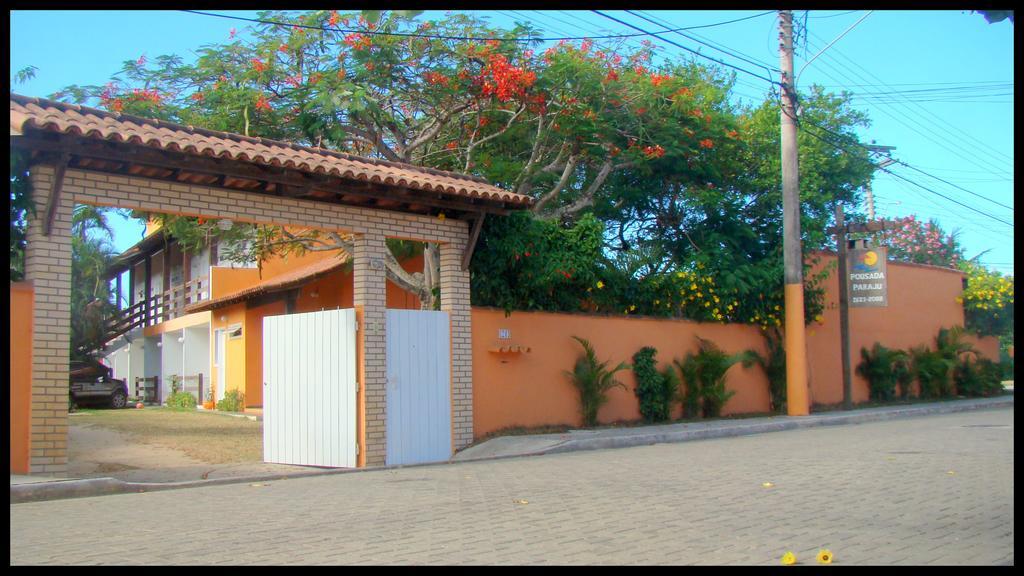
column 159, row 307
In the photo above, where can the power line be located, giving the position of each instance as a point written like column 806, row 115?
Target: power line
column 733, row 54
column 658, row 35
column 941, row 142
column 805, row 121
column 832, row 15
column 943, row 121
column 441, row 36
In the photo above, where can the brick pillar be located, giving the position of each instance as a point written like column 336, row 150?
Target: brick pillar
column 369, row 299
column 48, row 266
column 455, row 301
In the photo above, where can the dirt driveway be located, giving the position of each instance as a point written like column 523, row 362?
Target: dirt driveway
column 160, row 445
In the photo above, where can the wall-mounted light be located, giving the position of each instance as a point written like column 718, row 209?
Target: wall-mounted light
column 315, row 293
column 159, row 344
column 223, row 318
column 181, row 338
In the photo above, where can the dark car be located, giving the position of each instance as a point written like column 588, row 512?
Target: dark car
column 91, row 383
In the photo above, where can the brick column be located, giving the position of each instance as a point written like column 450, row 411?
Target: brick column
column 369, row 299
column 48, row 266
column 455, row 301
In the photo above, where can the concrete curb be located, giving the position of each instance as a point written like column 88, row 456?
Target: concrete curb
column 586, row 440
column 789, row 423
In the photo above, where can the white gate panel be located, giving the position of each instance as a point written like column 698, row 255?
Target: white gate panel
column 309, row 392
column 419, row 423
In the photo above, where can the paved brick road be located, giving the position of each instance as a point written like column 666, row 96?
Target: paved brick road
column 878, row 493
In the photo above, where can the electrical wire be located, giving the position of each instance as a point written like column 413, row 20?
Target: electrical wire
column 440, row 36
column 833, row 144
column 659, row 36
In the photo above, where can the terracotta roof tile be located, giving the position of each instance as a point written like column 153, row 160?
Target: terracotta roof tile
column 55, row 116
column 291, row 279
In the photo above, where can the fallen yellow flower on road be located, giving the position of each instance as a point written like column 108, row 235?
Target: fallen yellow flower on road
column 521, row 501
column 950, row 472
column 767, row 484
column 825, row 557
column 789, row 559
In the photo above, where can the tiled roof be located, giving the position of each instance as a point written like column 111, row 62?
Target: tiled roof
column 54, row 116
column 291, row 279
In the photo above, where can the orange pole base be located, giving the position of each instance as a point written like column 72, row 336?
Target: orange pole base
column 796, row 353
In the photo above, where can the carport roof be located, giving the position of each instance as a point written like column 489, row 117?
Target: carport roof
column 100, row 140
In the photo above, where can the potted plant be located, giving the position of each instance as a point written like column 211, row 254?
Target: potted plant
column 208, row 403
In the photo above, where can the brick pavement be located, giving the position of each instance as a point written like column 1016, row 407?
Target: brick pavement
column 875, row 493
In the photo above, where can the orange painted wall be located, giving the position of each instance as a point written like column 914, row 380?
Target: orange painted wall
column 224, row 280
column 234, row 350
column 922, row 299
column 531, row 390
column 22, row 301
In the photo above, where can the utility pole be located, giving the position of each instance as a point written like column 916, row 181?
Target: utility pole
column 844, row 308
column 796, row 345
column 869, row 197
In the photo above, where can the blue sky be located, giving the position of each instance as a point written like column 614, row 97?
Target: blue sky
column 937, row 85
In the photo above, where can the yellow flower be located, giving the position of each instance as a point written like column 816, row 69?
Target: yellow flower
column 789, row 559
column 657, row 302
column 825, row 557
column 632, row 307
column 600, row 284
column 699, row 294
column 693, row 286
column 716, row 298
column 707, row 304
column 440, row 216
column 776, row 306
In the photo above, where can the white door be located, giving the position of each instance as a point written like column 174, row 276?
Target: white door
column 419, row 422
column 218, row 362
column 309, row 388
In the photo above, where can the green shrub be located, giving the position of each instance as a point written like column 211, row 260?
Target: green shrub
column 981, row 377
column 655, row 390
column 903, row 372
column 233, row 401
column 877, row 367
column 932, row 370
column 704, row 373
column 181, row 401
column 592, row 380
column 774, row 366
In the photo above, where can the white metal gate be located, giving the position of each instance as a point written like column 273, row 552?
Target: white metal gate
column 309, row 389
column 419, row 422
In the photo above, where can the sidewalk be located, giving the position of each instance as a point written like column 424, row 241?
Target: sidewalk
column 35, row 488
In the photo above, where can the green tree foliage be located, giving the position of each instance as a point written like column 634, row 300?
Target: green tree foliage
column 987, row 300
column 680, row 177
column 592, row 380
column 91, row 294
column 22, row 208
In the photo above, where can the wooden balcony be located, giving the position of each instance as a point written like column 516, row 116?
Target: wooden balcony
column 159, row 307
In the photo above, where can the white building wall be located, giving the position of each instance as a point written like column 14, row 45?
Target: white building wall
column 171, row 360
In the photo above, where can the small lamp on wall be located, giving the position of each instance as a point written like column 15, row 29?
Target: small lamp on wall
column 314, row 293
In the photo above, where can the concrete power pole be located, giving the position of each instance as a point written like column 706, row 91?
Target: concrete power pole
column 796, row 346
column 869, row 197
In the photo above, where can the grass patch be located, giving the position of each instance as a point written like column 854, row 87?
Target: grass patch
column 210, row 438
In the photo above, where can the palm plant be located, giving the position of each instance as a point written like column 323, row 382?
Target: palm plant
column 932, row 371
column 704, row 374
column 903, row 372
column 877, row 367
column 592, row 380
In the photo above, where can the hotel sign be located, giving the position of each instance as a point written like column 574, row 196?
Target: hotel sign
column 866, row 278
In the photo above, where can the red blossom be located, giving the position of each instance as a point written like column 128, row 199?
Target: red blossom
column 707, row 143
column 141, row 61
column 231, row 34
column 258, row 65
column 452, row 145
column 333, row 20
column 262, row 104
column 198, row 96
column 282, row 48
